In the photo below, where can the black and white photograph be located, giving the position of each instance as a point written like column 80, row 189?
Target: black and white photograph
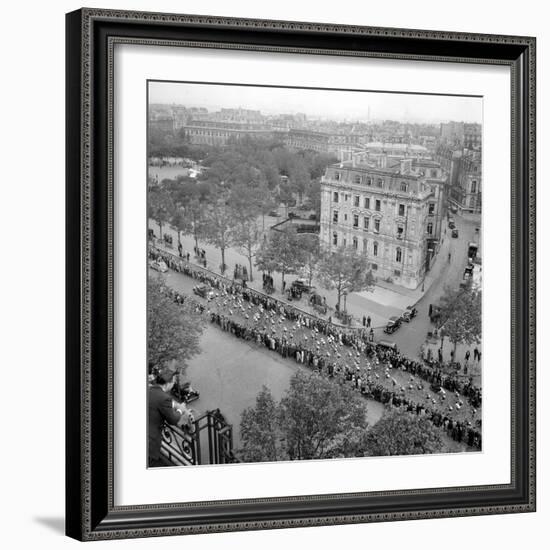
column 315, row 283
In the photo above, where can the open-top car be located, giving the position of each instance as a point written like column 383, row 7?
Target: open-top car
column 158, row 265
column 204, row 291
column 409, row 314
column 393, row 324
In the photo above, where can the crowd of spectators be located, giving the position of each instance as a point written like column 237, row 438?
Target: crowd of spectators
column 344, row 354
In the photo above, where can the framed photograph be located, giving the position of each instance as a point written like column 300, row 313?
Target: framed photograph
column 300, row 274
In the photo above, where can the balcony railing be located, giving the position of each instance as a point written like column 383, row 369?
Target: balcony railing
column 208, row 441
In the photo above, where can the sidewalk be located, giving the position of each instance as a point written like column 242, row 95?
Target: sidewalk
column 385, row 301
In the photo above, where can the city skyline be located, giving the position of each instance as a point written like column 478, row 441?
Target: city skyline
column 340, row 105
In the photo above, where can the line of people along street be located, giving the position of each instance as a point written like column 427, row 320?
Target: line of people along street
column 233, row 312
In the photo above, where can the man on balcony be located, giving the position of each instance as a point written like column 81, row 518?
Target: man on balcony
column 162, row 408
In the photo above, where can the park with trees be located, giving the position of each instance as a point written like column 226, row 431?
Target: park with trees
column 226, row 206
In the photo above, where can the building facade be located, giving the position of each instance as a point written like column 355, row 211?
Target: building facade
column 472, row 136
column 466, row 193
column 208, row 132
column 393, row 216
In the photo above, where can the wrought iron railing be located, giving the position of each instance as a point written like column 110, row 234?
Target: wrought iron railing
column 186, row 446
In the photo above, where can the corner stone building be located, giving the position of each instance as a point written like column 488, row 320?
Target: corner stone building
column 392, row 215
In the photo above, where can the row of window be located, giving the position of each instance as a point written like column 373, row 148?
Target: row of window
column 378, row 204
column 366, row 202
column 370, row 181
column 355, row 245
column 400, row 230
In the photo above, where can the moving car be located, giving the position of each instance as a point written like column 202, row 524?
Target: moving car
column 454, row 233
column 158, row 265
column 204, row 291
column 409, row 313
column 452, row 224
column 393, row 324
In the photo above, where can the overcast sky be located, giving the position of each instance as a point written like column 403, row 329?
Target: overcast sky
column 331, row 104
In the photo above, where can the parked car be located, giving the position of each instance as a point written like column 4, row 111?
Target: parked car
column 468, row 270
column 302, row 285
column 393, row 324
column 409, row 313
column 274, row 214
column 185, row 393
column 313, row 217
column 452, row 224
column 204, row 291
column 158, row 265
column 454, row 233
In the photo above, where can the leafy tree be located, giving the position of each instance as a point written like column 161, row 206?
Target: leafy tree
column 313, row 196
column 247, row 235
column 160, row 206
column 262, row 200
column 219, row 222
column 195, row 212
column 286, row 194
column 181, row 222
column 244, row 202
column 345, row 271
column 403, row 433
column 280, row 252
column 260, row 432
column 321, row 419
column 173, row 331
column 460, row 318
column 315, row 419
column 311, row 254
column 299, row 177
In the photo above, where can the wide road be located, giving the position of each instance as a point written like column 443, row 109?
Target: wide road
column 230, row 372
column 411, row 335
